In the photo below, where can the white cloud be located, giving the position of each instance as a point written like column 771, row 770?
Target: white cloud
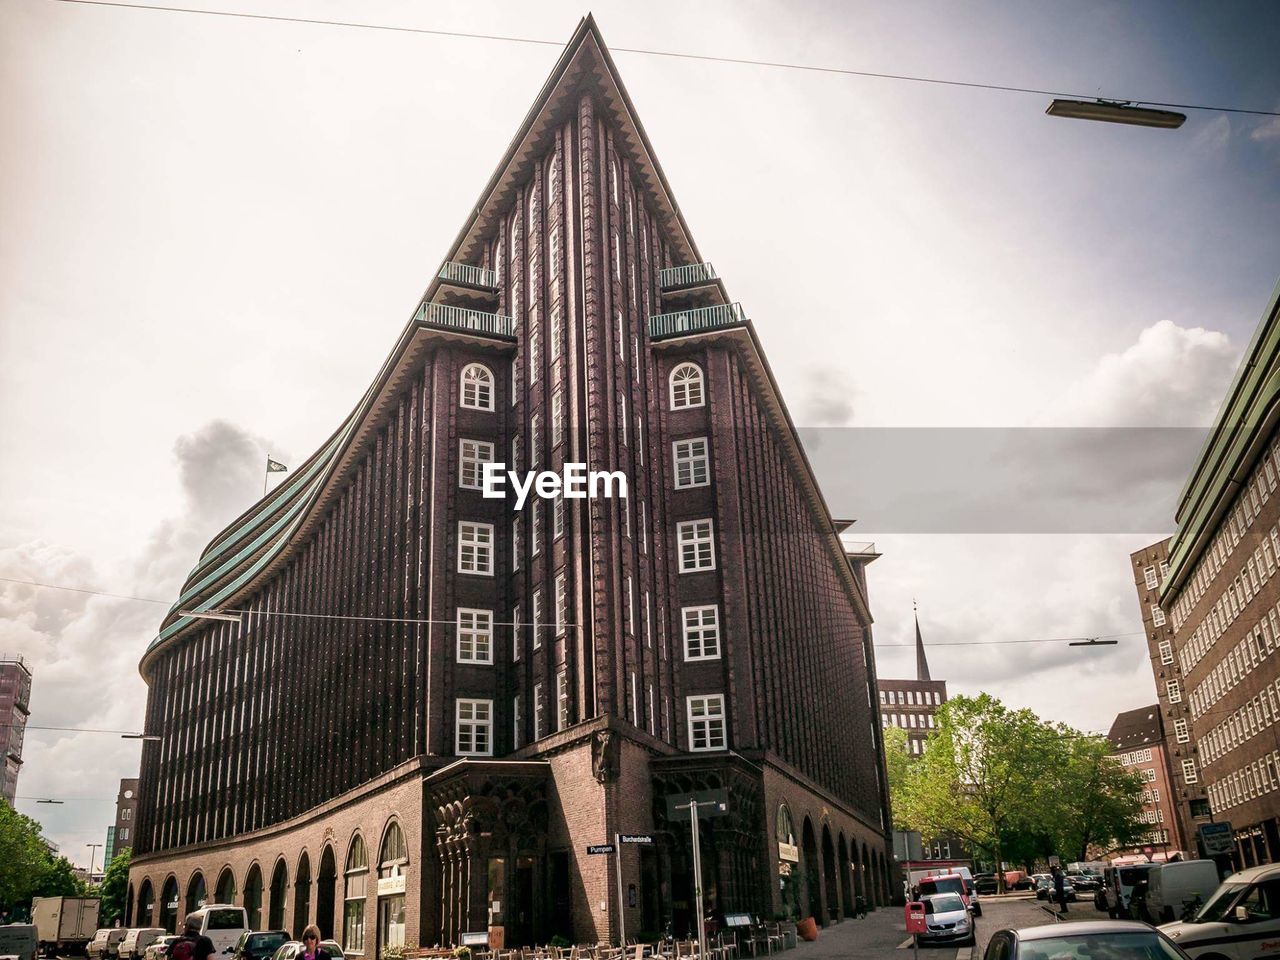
column 1172, row 376
column 1266, row 131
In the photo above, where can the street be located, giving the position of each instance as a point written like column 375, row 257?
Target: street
column 882, row 933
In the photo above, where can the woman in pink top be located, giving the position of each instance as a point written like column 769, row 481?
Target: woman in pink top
column 311, row 949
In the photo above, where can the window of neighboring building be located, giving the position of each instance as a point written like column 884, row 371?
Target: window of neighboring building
column 473, row 455
column 515, row 544
column 562, row 604
column 1166, row 651
column 391, row 863
column 697, row 546
column 1189, row 771
column 1149, row 575
column 1157, row 615
column 562, row 699
column 539, row 711
column 557, row 517
column 356, row 888
column 475, row 635
column 706, row 722
column 691, row 463
column 687, row 387
column 517, row 641
column 517, row 718
column 537, row 619
column 702, row 632
column 1174, row 690
column 474, row 728
column 557, row 418
column 477, row 387
column 475, row 548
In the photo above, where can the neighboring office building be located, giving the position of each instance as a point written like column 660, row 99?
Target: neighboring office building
column 566, row 671
column 1223, row 599
column 15, row 707
column 120, row 834
column 1139, row 741
column 1188, row 804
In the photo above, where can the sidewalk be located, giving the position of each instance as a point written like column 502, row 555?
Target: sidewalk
column 877, row 935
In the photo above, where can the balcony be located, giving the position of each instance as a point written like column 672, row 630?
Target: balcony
column 471, row 276
column 447, row 317
column 686, row 276
column 686, row 322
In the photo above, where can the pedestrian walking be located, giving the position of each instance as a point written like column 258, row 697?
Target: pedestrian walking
column 1060, row 889
column 192, row 944
column 311, row 949
column 860, row 907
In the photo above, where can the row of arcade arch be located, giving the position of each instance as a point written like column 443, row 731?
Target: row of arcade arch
column 825, row 875
column 268, row 905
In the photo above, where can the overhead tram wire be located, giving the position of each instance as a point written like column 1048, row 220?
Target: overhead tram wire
column 552, row 625
column 642, row 51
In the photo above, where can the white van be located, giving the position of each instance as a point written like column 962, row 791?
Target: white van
column 1240, row 921
column 1118, row 884
column 222, row 923
column 1173, row 887
column 104, row 943
column 136, row 940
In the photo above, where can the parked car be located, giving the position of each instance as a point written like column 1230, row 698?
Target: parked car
column 333, row 949
column 1046, row 891
column 986, row 883
column 136, row 940
column 105, row 943
column 1017, row 880
column 20, row 941
column 222, row 923
column 259, row 944
column 947, row 920
column 1172, row 888
column 950, row 883
column 288, row 950
column 159, row 950
column 1085, row 882
column 1083, row 939
column 1240, row 919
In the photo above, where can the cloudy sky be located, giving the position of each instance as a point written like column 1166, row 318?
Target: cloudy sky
column 212, row 229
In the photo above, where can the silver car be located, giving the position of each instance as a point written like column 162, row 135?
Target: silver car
column 947, row 920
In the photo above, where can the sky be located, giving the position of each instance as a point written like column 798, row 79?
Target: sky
column 213, row 228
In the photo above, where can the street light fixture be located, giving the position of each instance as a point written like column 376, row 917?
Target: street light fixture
column 144, row 737
column 46, row 800
column 1116, row 111
column 93, row 853
column 1093, row 642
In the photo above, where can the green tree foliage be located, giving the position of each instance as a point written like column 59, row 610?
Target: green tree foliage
column 24, row 856
column 115, row 884
column 1015, row 787
column 59, row 880
column 897, row 760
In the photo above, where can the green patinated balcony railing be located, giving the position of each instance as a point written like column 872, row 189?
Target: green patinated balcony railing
column 685, row 322
column 460, row 318
column 691, row 273
column 466, row 273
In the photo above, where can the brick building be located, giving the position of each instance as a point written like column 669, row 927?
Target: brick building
column 1138, row 737
column 15, row 707
column 1223, row 600
column 1189, row 805
column 912, row 704
column 120, row 833
column 426, row 704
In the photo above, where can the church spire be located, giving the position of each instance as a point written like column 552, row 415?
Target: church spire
column 922, row 664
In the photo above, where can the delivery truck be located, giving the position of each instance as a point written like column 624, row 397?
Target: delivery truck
column 64, row 924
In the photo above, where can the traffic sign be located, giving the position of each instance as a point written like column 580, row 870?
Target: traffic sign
column 595, row 848
column 1217, row 838
column 711, row 803
column 635, row 838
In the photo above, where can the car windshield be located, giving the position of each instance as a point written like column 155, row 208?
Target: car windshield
column 267, row 941
column 1220, row 903
column 941, row 885
column 1135, row 945
column 946, row 903
column 1131, row 875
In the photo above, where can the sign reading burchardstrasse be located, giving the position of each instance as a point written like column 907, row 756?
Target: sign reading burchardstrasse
column 635, row 838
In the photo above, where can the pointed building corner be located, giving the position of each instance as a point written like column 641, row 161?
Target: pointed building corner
column 922, row 662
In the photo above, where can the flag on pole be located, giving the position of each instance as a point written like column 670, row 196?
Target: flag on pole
column 275, row 466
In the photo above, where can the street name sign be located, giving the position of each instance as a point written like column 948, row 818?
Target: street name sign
column 596, row 848
column 1217, row 838
column 635, row 838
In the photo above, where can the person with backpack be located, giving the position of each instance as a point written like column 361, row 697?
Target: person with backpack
column 192, row 945
column 311, row 949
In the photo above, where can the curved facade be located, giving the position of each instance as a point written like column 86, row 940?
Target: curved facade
column 478, row 692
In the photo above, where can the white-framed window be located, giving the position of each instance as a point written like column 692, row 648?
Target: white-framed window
column 1166, row 651
column 535, row 440
column 477, row 387
column 474, row 726
column 557, row 517
column 622, row 416
column 1189, row 774
column 535, row 526
column 1180, row 730
column 1174, row 689
column 517, row 721
column 475, row 548
column 702, row 632
column 539, row 710
column 557, row 418
column 691, row 462
column 1149, row 575
column 696, row 542
column 706, row 722
column 475, row 635
column 534, row 341
column 562, row 700
column 537, row 619
column 687, row 387
column 644, row 527
column 1157, row 615
column 515, row 544
column 562, row 604
column 517, row 639
column 472, row 456
column 515, row 452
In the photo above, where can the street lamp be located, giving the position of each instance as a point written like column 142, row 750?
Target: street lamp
column 1093, row 642
column 144, row 737
column 93, row 853
column 1116, row 111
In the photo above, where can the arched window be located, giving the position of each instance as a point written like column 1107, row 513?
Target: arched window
column 302, row 894
column 686, row 387
column 146, row 904
column 477, row 387
column 355, row 889
column 279, row 884
column 392, row 859
column 196, row 893
column 225, row 892
column 169, row 905
column 253, row 897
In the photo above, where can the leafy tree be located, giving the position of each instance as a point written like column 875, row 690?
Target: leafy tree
column 898, row 764
column 58, row 879
column 114, row 888
column 24, row 855
column 1096, row 802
